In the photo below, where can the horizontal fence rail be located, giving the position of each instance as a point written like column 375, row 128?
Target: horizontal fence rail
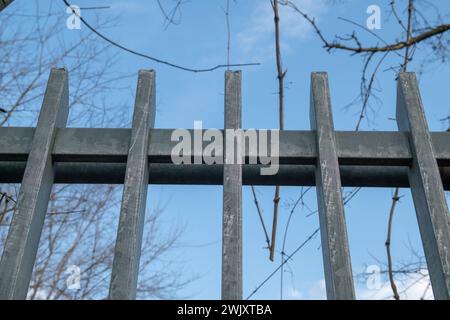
column 296, row 147
column 367, row 159
column 288, row 175
column 51, row 153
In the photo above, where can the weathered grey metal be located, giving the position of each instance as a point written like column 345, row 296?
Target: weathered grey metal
column 127, row 252
column 333, row 229
column 426, row 186
column 5, row 3
column 50, row 153
column 288, row 175
column 22, row 243
column 232, row 196
column 296, row 147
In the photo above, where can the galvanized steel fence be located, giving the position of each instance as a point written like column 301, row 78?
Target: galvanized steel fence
column 51, row 153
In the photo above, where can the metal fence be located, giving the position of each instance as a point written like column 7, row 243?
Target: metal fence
column 5, row 3
column 50, row 153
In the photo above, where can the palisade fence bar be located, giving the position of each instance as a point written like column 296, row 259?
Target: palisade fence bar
column 26, row 226
column 336, row 256
column 50, row 153
column 131, row 223
column 426, row 186
column 232, row 194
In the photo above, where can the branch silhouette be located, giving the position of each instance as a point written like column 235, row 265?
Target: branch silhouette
column 154, row 59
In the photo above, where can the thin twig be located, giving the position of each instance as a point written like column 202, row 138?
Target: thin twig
column 281, row 74
column 408, row 35
column 283, row 253
column 169, row 17
column 400, row 45
column 395, row 199
column 258, row 209
column 394, row 11
column 227, row 17
column 288, row 257
column 146, row 56
column 367, row 93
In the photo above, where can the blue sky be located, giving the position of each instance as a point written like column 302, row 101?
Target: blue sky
column 200, row 40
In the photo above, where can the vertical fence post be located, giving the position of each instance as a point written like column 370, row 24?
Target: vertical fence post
column 22, row 243
column 127, row 252
column 232, row 194
column 426, row 185
column 335, row 249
